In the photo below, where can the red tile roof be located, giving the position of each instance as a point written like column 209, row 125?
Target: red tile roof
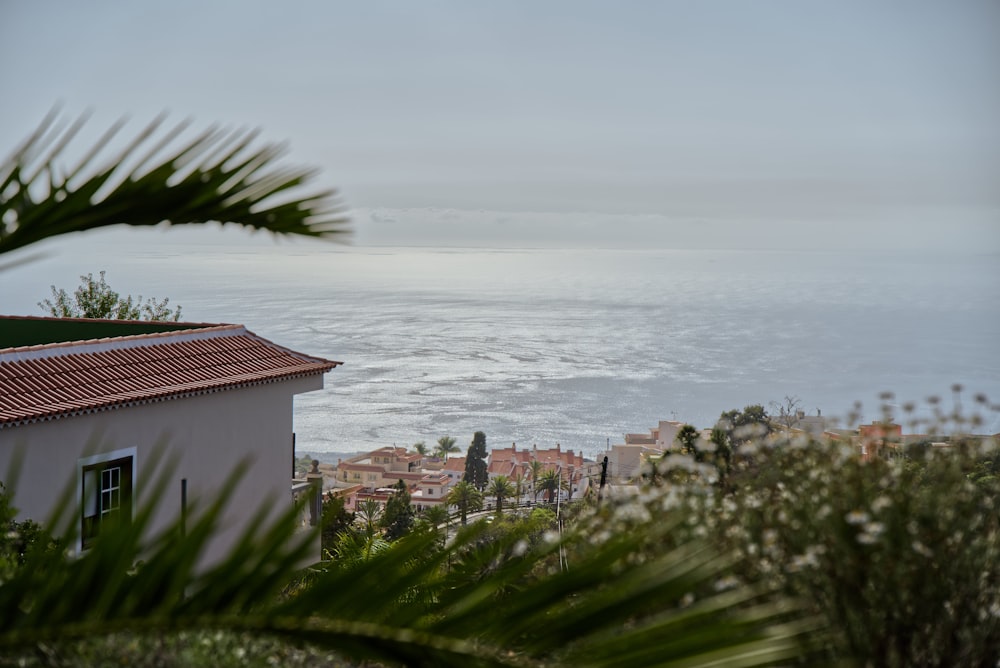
column 61, row 379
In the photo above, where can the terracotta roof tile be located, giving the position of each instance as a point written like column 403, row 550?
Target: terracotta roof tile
column 56, row 380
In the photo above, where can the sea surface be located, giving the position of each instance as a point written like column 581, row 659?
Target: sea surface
column 576, row 347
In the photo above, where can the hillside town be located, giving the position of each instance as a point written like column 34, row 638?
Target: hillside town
column 429, row 477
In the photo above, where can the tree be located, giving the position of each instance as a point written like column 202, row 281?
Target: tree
column 741, row 427
column 446, row 446
column 435, row 515
column 466, row 498
column 95, row 299
column 397, row 519
column 215, row 176
column 536, row 473
column 476, row 470
column 551, row 482
column 369, row 516
column 723, row 457
column 500, row 489
column 335, row 519
column 420, row 448
column 788, row 411
column 687, row 437
column 519, row 482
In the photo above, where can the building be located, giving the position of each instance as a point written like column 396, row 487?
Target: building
column 380, row 468
column 572, row 467
column 373, row 474
column 94, row 403
column 880, row 439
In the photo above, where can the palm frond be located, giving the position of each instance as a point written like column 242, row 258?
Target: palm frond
column 405, row 604
column 218, row 176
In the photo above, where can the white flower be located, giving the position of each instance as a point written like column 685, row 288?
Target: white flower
column 874, row 528
column 856, row 517
column 728, row 582
column 881, row 503
column 866, row 538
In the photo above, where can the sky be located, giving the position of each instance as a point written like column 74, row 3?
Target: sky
column 781, row 123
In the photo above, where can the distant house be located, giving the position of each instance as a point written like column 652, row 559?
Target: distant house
column 575, row 471
column 380, row 468
column 89, row 402
column 879, row 439
column 373, row 474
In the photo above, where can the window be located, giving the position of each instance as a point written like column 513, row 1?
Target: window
column 106, row 493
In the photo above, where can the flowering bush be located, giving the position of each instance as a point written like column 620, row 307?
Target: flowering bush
column 899, row 557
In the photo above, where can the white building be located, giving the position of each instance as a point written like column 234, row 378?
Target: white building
column 93, row 403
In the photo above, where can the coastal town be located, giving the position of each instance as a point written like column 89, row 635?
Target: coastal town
column 552, row 474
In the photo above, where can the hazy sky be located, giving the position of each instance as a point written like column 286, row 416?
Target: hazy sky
column 876, row 119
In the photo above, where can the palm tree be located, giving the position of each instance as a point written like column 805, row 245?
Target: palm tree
column 435, row 515
column 500, row 489
column 446, row 445
column 215, row 176
column 597, row 614
column 519, row 485
column 369, row 514
column 466, row 498
column 536, row 473
column 552, row 482
column 420, row 448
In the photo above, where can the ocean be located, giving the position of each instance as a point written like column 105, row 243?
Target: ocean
column 576, row 347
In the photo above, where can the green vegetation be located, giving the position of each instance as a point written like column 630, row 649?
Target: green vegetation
column 495, row 596
column 806, row 556
column 215, row 176
column 500, row 489
column 466, row 498
column 446, row 446
column 476, row 473
column 397, row 518
column 95, row 299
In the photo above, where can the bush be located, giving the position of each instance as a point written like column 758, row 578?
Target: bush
column 899, row 557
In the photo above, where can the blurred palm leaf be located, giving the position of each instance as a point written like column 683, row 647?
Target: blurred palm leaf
column 216, row 176
column 404, row 604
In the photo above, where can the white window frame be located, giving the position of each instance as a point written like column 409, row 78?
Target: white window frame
column 85, row 462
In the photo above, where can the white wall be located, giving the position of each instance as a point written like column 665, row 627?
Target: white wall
column 205, row 436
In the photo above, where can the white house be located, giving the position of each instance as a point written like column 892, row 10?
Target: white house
column 88, row 403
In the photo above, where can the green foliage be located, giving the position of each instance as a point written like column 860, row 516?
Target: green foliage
column 445, row 446
column 397, row 519
column 741, row 427
column 687, row 439
column 19, row 540
column 537, row 468
column 551, row 482
column 410, row 602
column 466, row 498
column 500, row 489
column 96, row 299
column 899, row 557
column 335, row 520
column 476, row 469
column 420, row 448
column 216, row 176
column 433, row 517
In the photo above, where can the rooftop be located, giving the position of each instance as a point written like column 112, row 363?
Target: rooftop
column 61, row 367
